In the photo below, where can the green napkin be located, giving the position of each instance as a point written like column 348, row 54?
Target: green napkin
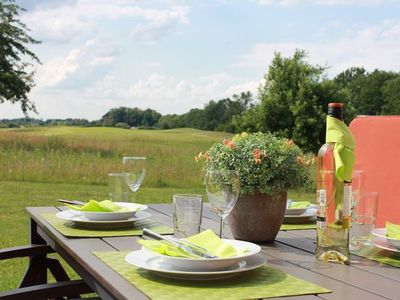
column 337, row 132
column 392, row 231
column 102, row 206
column 206, row 239
column 299, row 204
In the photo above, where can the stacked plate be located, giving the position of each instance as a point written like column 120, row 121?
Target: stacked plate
column 381, row 241
column 92, row 219
column 199, row 268
column 300, row 215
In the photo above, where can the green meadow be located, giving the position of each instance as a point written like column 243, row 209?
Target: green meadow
column 39, row 165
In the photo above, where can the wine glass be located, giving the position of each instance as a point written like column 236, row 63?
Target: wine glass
column 135, row 168
column 223, row 189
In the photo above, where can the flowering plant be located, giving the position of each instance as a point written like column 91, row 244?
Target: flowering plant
column 266, row 163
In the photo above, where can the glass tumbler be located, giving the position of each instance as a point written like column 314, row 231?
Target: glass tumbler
column 187, row 214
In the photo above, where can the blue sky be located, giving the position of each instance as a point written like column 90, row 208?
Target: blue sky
column 173, row 55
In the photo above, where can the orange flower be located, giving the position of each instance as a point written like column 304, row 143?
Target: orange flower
column 207, row 156
column 257, row 156
column 229, row 144
column 300, row 160
column 289, row 143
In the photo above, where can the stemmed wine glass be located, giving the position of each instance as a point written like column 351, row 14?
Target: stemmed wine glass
column 223, row 189
column 135, row 168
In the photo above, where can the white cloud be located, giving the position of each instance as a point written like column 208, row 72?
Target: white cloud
column 64, row 23
column 168, row 94
column 93, row 54
column 372, row 47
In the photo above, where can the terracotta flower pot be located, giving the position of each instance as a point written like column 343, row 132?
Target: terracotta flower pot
column 258, row 217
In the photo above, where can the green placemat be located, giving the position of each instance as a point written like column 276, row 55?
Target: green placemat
column 379, row 255
column 68, row 228
column 265, row 282
column 300, row 226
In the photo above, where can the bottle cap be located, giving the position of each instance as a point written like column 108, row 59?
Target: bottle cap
column 336, row 110
column 335, row 105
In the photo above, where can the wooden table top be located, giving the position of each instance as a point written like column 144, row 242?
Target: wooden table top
column 292, row 252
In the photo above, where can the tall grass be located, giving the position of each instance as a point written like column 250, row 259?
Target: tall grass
column 87, row 155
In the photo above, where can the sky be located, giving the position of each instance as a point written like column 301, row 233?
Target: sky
column 172, row 56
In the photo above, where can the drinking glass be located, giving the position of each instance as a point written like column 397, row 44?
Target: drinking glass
column 363, row 220
column 135, row 168
column 187, row 214
column 223, row 189
column 357, row 186
column 118, row 190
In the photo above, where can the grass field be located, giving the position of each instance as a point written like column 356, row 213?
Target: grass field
column 39, row 165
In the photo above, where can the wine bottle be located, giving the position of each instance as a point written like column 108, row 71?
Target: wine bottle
column 333, row 193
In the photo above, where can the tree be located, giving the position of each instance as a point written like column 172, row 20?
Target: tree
column 391, row 92
column 16, row 77
column 290, row 106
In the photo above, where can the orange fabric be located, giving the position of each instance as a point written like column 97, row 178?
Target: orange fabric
column 378, row 154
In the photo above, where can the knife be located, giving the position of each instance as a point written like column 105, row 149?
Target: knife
column 185, row 246
column 73, row 202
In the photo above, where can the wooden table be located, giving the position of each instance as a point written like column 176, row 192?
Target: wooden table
column 292, row 252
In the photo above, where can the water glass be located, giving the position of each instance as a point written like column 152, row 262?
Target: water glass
column 187, row 214
column 363, row 220
column 357, row 186
column 117, row 187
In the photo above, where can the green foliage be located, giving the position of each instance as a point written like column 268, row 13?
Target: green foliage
column 265, row 162
column 216, row 115
column 391, row 94
column 366, row 93
column 290, row 106
column 132, row 116
column 16, row 79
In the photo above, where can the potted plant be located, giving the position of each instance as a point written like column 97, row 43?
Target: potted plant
column 268, row 167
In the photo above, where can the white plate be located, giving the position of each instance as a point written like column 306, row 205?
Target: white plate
column 295, row 211
column 113, row 216
column 382, row 243
column 210, row 264
column 381, row 232
column 78, row 219
column 150, row 262
column 309, row 215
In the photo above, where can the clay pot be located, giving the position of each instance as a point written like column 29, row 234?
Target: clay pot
column 257, row 217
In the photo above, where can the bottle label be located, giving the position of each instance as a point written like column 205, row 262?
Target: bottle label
column 347, row 200
column 321, row 222
column 321, row 197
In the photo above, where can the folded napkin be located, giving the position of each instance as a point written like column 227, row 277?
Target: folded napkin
column 392, row 231
column 102, row 206
column 337, row 132
column 299, row 204
column 206, row 239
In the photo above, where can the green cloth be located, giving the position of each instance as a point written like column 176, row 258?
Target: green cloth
column 206, row 239
column 299, row 204
column 264, row 282
column 379, row 255
column 392, row 231
column 300, row 226
column 69, row 229
column 337, row 132
column 102, row 206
